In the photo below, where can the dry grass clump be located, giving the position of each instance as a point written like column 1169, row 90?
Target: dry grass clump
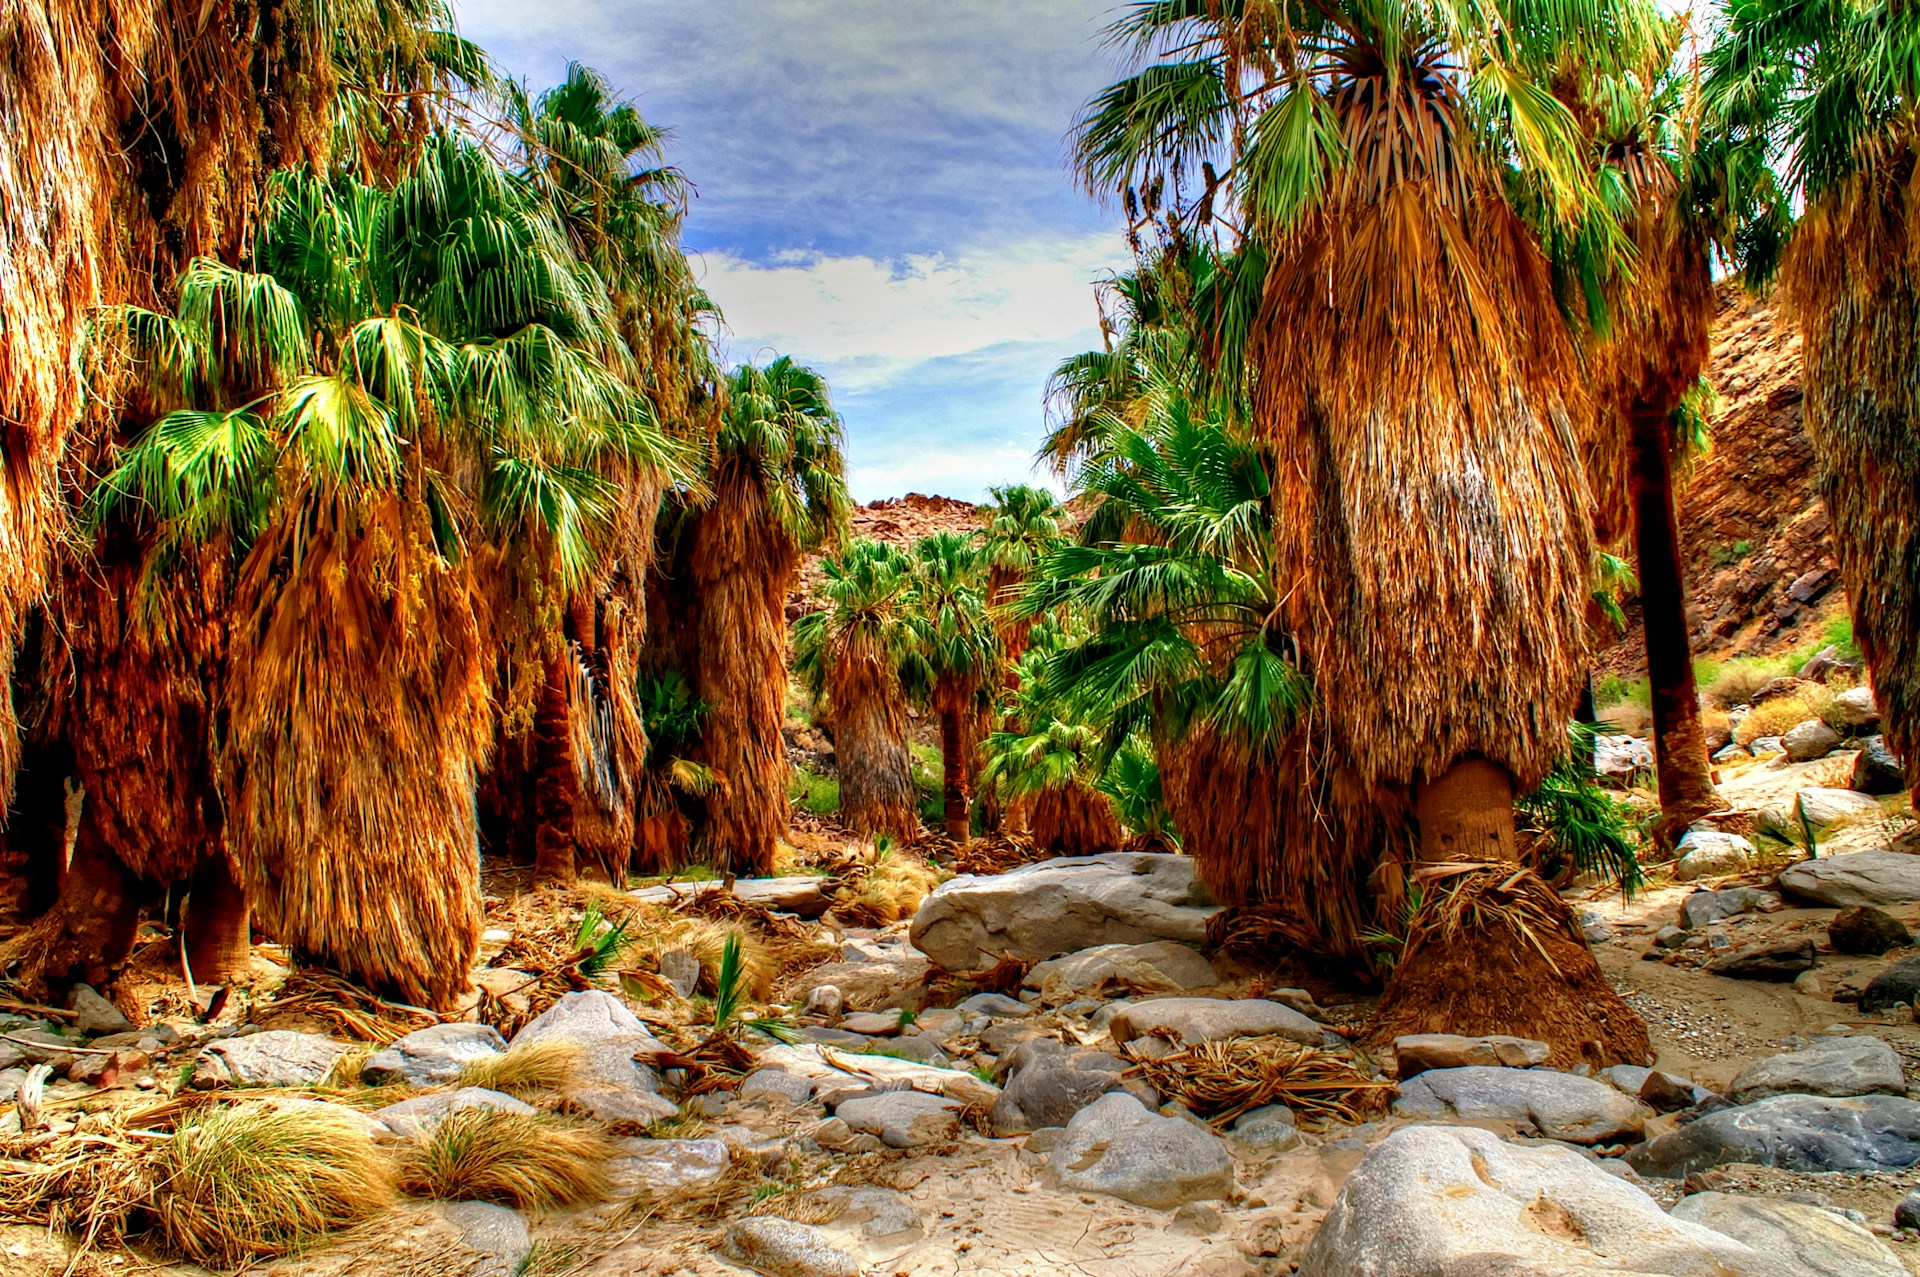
column 526, row 1071
column 892, row 882
column 661, row 931
column 1629, row 718
column 527, row 1162
column 235, row 1184
column 1222, row 1080
column 1782, row 714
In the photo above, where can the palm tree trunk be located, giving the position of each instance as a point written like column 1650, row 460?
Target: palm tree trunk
column 554, row 780
column 91, row 931
column 1466, row 813
column 955, row 781
column 1680, row 744
column 217, row 930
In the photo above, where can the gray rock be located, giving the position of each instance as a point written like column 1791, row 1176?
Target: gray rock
column 881, row 1216
column 1116, row 1147
column 1907, row 1213
column 610, row 1085
column 1670, row 937
column 776, row 1084
column 11, row 1080
column 277, row 1057
column 1704, row 907
column 1806, row 1238
column 802, row 894
column 1559, row 1106
column 917, row 1046
column 1859, row 1065
column 873, row 1024
column 1792, row 1132
column 681, row 969
column 1706, row 853
column 1048, row 1095
column 1270, row 1129
column 1415, row 1053
column 904, row 1119
column 495, row 1231
column 1459, row 1202
column 1822, row 806
column 665, row 1168
column 1877, row 770
column 1765, row 746
column 1779, row 962
column 995, row 1004
column 1162, row 966
column 588, row 1016
column 1809, row 740
column 1187, row 1021
column 1621, row 758
column 1732, row 754
column 826, row 1001
column 1898, row 985
column 826, row 1036
column 1864, row 929
column 413, row 1119
column 782, row 1248
column 1856, row 878
column 94, row 1014
column 433, row 1055
column 1854, row 708
column 1062, row 906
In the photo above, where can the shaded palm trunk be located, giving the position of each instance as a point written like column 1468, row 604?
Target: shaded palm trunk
column 92, row 931
column 1074, row 820
column 1466, row 813
column 216, row 932
column 954, row 704
column 1680, row 745
column 555, row 782
column 870, row 748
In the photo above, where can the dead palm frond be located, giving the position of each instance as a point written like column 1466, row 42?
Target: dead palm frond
column 1222, row 1080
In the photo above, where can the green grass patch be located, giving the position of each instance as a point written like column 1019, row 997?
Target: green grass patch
column 812, row 792
column 928, row 777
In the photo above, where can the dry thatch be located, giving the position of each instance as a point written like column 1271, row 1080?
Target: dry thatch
column 1222, row 1080
column 1492, row 949
column 515, row 1159
column 869, row 715
column 355, row 737
column 1074, row 819
column 1853, row 283
column 529, row 1071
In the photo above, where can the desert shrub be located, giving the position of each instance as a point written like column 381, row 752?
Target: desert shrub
column 515, row 1159
column 528, row 1070
column 1782, row 714
column 1617, row 689
column 1629, row 717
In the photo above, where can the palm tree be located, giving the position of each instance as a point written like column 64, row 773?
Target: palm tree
column 1415, row 379
column 1021, row 524
column 962, row 656
column 1826, row 92
column 778, row 488
column 1052, row 767
column 437, row 384
column 856, row 657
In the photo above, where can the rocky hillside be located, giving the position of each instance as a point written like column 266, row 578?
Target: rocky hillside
column 1760, row 562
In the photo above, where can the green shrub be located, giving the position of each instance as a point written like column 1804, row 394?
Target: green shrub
column 814, row 793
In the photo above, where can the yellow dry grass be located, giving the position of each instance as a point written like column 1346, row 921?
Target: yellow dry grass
column 527, row 1162
column 527, row 1071
column 239, row 1183
column 888, row 884
column 1782, row 714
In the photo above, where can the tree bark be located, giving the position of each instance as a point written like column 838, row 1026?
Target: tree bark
column 217, row 929
column 1586, row 714
column 554, row 781
column 1466, row 813
column 1680, row 744
column 94, row 925
column 955, row 782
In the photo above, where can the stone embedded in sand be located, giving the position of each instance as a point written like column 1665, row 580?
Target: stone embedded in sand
column 1708, row 853
column 1808, row 1239
column 1459, row 1202
column 1190, row 1021
column 1115, row 1146
column 1860, row 1065
column 1864, row 929
column 495, row 1231
column 1703, row 907
column 782, row 1248
column 1560, row 1106
column 1821, row 806
column 904, row 1119
column 1792, row 1132
column 1048, row 1094
column 1062, row 906
column 1898, row 985
column 94, row 1014
column 664, row 1168
column 1415, row 1053
column 433, row 1055
column 1162, row 966
column 1778, row 963
column 1856, row 878
column 277, row 1057
column 872, row 1024
column 880, row 1216
column 415, row 1118
column 998, row 1005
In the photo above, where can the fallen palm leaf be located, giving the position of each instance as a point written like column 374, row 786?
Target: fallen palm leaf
column 1222, row 1080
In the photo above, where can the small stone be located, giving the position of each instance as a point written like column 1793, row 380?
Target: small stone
column 1877, row 770
column 995, row 1004
column 93, row 1014
column 782, row 1248
column 1670, row 937
column 904, row 1119
column 826, row 1001
column 1197, row 1219
column 881, row 1216
column 872, row 1024
column 776, row 1084
column 1855, row 708
column 1858, row 1065
column 1665, row 1093
column 1907, row 1213
column 1415, row 1053
column 1898, row 985
column 1270, row 1128
column 1161, row 966
column 433, row 1055
column 494, row 1231
column 1115, row 1146
column 681, row 969
column 1732, row 754
column 1865, row 929
column 1048, row 1094
column 1778, row 962
column 1765, row 747
column 277, row 1057
column 1706, row 853
column 415, row 1118
column 664, row 1168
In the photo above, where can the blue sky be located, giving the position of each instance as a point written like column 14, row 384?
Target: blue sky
column 881, row 195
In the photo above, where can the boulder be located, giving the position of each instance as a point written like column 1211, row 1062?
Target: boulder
column 1898, row 985
column 776, row 1084
column 1621, row 758
column 1115, row 1146
column 1559, row 1106
column 1864, row 929
column 1906, row 1214
column 277, row 1057
column 1415, row 1053
column 904, row 1119
column 433, row 1055
column 782, row 1248
column 1860, row 1065
column 1779, row 962
column 588, row 1016
column 1807, row 741
column 1187, row 1021
column 413, row 1119
column 1856, row 878
column 881, row 1217
column 1048, row 1094
column 94, row 1014
column 1161, row 966
column 1062, row 906
column 496, row 1232
column 804, row 894
column 1792, row 1132
column 1704, row 907
column 1708, row 853
column 1877, row 769
column 1854, row 709
column 1822, row 807
column 1458, row 1202
column 1808, row 1239
column 664, row 1168
column 610, row 1085
column 998, row 1005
